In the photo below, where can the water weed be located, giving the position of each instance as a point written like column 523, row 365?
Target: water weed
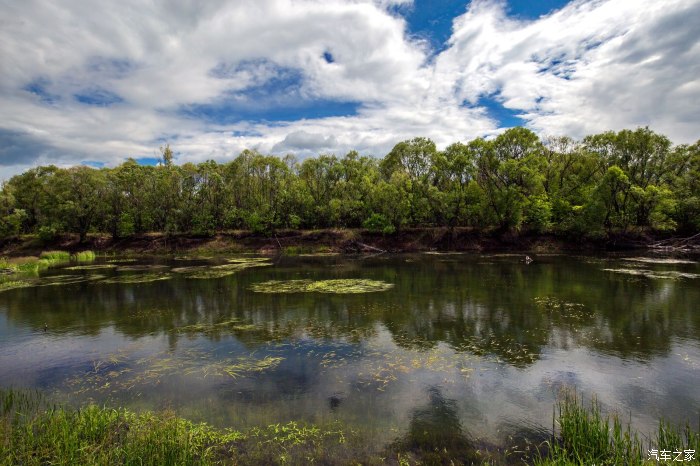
column 340, row 286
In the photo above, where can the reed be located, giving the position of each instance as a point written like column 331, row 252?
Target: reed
column 84, row 256
column 587, row 436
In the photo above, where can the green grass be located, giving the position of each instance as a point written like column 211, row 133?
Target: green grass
column 35, row 433
column 32, row 265
column 587, row 436
column 83, row 256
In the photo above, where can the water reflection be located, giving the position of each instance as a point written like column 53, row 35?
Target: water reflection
column 435, row 433
column 490, row 339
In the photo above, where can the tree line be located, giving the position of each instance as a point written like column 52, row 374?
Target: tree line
column 515, row 181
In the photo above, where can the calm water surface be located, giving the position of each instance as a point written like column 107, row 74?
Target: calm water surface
column 486, row 340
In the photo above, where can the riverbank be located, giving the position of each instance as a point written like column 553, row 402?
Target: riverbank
column 293, row 242
column 35, row 432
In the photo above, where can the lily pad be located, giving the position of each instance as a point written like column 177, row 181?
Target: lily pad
column 339, row 286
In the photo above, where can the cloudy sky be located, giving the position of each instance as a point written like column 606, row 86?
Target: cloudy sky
column 96, row 82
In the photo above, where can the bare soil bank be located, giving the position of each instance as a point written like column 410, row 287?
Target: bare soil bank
column 332, row 240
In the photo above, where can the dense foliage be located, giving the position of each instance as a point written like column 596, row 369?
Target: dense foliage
column 628, row 179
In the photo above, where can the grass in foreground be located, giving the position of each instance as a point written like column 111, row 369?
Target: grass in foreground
column 33, row 432
column 589, row 437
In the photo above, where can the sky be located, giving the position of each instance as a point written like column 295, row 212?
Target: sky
column 98, row 82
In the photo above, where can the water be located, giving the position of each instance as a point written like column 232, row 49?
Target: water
column 477, row 344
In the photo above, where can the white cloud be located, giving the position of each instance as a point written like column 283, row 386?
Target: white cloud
column 592, row 66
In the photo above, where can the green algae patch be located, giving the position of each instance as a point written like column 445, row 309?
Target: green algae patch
column 249, row 261
column 657, row 274
column 232, row 325
column 224, row 270
column 121, row 261
column 56, row 280
column 129, row 279
column 659, row 260
column 91, row 267
column 141, row 268
column 14, row 284
column 338, row 286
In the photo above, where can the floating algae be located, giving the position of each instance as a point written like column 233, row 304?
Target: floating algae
column 232, row 325
column 121, row 261
column 381, row 366
column 249, row 260
column 340, row 286
column 119, row 371
column 137, row 278
column 55, row 280
column 569, row 310
column 658, row 274
column 91, row 267
column 141, row 268
column 203, row 272
column 14, row 284
column 659, row 260
column 219, row 271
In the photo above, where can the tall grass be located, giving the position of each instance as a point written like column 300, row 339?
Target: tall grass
column 586, row 436
column 34, row 264
column 84, row 256
column 34, row 433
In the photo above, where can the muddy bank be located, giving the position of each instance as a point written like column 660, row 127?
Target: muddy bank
column 333, row 241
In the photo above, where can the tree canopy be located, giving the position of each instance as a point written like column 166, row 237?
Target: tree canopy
column 515, row 181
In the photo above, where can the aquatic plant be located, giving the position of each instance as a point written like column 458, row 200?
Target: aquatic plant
column 47, row 259
column 84, row 256
column 659, row 260
column 248, row 260
column 137, row 278
column 33, row 432
column 91, row 267
column 657, row 274
column 14, row 284
column 55, row 280
column 141, row 267
column 56, row 256
column 121, row 261
column 340, row 286
column 224, row 270
column 233, row 325
column 587, row 436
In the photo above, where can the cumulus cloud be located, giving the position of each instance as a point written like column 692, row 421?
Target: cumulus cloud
column 120, row 78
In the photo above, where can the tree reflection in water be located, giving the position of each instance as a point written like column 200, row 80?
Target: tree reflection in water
column 435, row 434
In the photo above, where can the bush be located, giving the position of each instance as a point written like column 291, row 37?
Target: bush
column 47, row 234
column 377, row 223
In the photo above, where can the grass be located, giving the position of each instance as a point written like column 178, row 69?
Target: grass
column 84, row 256
column 34, row 433
column 587, row 436
column 31, row 264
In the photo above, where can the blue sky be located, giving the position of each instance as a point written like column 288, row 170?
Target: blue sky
column 304, row 77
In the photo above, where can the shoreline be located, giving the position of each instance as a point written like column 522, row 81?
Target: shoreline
column 342, row 241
